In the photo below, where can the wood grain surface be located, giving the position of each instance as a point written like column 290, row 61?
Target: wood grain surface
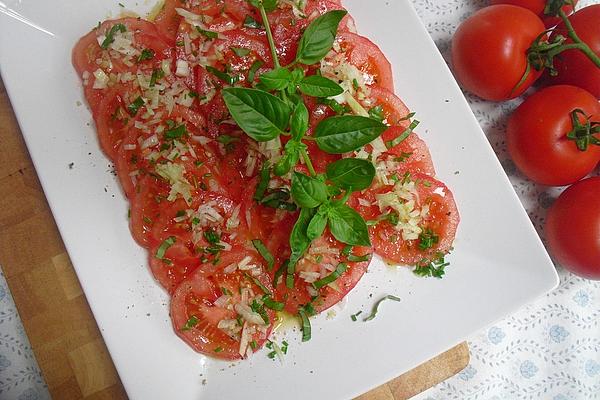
column 63, row 333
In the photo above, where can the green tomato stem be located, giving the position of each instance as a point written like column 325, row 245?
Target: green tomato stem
column 578, row 43
column 263, row 14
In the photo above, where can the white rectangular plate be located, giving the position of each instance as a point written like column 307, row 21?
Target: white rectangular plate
column 498, row 264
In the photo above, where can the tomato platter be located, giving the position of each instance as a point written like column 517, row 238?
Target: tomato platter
column 138, row 241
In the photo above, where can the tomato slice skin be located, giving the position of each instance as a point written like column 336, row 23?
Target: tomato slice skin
column 368, row 58
column 441, row 219
column 322, row 259
column 195, row 298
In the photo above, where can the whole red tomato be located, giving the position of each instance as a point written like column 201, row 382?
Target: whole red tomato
column 573, row 67
column 489, row 51
column 573, row 228
column 537, row 136
column 537, row 7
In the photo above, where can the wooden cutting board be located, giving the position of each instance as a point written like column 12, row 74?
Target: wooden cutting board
column 63, row 333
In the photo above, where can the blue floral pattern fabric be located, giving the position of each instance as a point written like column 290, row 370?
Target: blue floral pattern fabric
column 20, row 376
column 549, row 350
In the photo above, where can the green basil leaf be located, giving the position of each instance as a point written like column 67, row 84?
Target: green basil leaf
column 224, row 76
column 260, row 114
column 319, row 86
column 110, row 36
column 253, row 69
column 299, row 123
column 263, row 184
column 276, row 79
column 317, row 225
column 345, row 133
column 339, row 271
column 240, row 51
column 299, row 242
column 269, row 5
column 348, row 226
column 351, row 173
column 297, row 76
column 318, row 37
column 290, row 157
column 208, row 34
column 308, row 192
column 250, row 22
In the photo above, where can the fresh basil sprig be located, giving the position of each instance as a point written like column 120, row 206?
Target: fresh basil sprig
column 351, row 173
column 299, row 241
column 318, row 37
column 276, row 79
column 348, row 226
column 345, row 133
column 308, row 192
column 260, row 114
column 269, row 5
column 319, row 86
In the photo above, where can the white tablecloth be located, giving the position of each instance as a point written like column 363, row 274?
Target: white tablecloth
column 550, row 350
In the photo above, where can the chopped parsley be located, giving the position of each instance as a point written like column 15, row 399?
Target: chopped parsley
column 110, row 36
column 164, row 246
column 208, row 34
column 192, row 322
column 135, row 106
column 435, row 268
column 428, row 239
column 377, row 304
column 147, row 54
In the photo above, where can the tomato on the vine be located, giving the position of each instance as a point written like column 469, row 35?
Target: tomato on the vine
column 573, row 228
column 538, row 7
column 543, row 141
column 573, row 66
column 489, row 51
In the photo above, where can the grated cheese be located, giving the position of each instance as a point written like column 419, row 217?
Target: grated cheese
column 174, row 173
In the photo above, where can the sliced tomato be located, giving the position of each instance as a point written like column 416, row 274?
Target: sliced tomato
column 320, row 261
column 167, row 20
column 393, row 110
column 146, row 207
column 288, row 26
column 436, row 226
column 186, row 227
column 112, row 122
column 87, row 52
column 368, row 58
column 196, row 316
column 179, row 262
column 410, row 155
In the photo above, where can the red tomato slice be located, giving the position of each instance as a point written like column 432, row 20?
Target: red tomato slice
column 394, row 110
column 288, row 26
column 411, row 154
column 112, row 122
column 368, row 58
column 145, row 36
column 320, row 261
column 189, row 226
column 167, row 20
column 438, row 224
column 146, row 207
column 204, row 302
